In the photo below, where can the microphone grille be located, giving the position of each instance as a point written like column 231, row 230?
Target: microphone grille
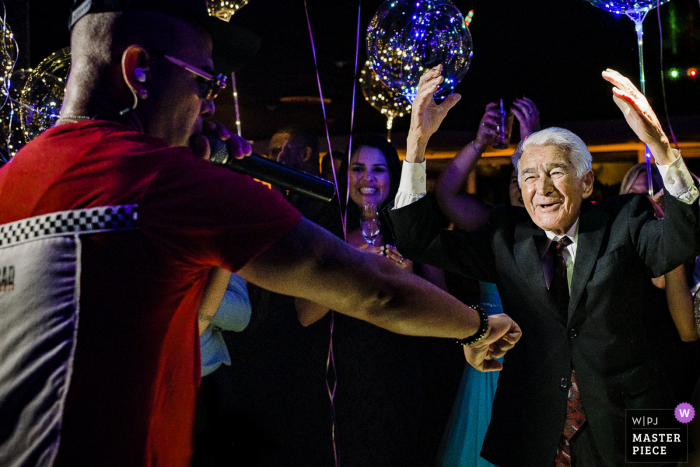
column 219, row 150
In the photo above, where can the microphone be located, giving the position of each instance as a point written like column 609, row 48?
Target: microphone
column 271, row 172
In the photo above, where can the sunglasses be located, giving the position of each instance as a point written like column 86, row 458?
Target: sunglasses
column 211, row 85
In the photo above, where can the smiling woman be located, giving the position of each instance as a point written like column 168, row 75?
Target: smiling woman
column 380, row 381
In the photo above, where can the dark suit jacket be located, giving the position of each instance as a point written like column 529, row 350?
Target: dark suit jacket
column 620, row 246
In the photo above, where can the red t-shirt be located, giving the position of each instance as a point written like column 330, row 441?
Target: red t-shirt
column 132, row 396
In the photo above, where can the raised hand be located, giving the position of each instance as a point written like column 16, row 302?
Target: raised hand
column 640, row 116
column 426, row 115
column 528, row 116
column 486, row 134
column 393, row 254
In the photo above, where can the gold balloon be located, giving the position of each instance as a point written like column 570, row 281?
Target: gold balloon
column 9, row 51
column 389, row 102
column 224, row 9
column 42, row 96
column 10, row 124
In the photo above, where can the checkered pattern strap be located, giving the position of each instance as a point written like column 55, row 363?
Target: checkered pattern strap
column 78, row 221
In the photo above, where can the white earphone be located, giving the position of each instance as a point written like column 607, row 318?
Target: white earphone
column 139, row 74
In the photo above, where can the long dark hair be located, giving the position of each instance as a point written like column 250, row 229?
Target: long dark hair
column 393, row 164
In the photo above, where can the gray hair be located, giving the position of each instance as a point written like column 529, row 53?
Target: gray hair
column 579, row 155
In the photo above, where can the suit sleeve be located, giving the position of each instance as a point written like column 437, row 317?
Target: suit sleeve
column 665, row 244
column 420, row 238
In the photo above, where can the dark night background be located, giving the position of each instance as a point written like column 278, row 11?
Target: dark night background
column 552, row 51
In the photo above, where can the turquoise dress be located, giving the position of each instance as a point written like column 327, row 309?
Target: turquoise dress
column 471, row 413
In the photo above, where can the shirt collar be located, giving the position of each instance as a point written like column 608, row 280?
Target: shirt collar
column 571, row 233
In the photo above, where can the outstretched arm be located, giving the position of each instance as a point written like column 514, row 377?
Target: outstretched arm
column 426, row 115
column 465, row 211
column 311, row 263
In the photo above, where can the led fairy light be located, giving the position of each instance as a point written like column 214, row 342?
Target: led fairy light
column 407, row 38
column 389, row 102
column 42, row 95
column 7, row 114
column 224, row 9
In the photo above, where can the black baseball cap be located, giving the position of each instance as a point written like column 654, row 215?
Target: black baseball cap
column 232, row 45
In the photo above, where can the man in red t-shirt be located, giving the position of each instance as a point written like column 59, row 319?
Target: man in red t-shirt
column 130, row 134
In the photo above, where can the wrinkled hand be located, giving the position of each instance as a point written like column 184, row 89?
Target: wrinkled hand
column 486, row 134
column 237, row 145
column 637, row 111
column 393, row 254
column 426, row 115
column 528, row 116
column 502, row 335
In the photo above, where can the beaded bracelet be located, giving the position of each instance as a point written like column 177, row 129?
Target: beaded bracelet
column 481, row 332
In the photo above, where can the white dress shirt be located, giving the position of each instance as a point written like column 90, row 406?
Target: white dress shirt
column 677, row 182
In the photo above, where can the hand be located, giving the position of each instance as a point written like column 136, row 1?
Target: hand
column 639, row 115
column 237, row 145
column 528, row 116
column 377, row 250
column 426, row 115
column 658, row 202
column 393, row 254
column 486, row 134
column 502, row 335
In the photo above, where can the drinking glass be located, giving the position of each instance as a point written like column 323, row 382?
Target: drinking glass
column 369, row 219
column 504, row 127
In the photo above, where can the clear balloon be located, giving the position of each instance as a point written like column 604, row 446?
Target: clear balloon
column 42, row 96
column 407, row 38
column 9, row 52
column 224, row 9
column 389, row 102
column 625, row 6
column 12, row 135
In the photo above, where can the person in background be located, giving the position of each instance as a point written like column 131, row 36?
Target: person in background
column 327, row 168
column 379, row 399
column 232, row 314
column 670, row 322
column 471, row 412
column 572, row 273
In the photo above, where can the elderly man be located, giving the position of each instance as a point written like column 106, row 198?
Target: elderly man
column 571, row 274
column 110, row 225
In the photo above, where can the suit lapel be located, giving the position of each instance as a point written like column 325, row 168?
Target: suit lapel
column 592, row 227
column 526, row 253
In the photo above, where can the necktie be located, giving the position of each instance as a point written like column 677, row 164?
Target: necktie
column 559, row 285
column 575, row 415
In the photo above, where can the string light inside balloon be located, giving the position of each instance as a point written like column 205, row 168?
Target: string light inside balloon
column 42, row 95
column 626, row 6
column 389, row 102
column 224, row 9
column 9, row 60
column 10, row 123
column 407, row 38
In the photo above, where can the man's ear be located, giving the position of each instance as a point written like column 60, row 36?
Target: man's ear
column 135, row 60
column 308, row 152
column 588, row 179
